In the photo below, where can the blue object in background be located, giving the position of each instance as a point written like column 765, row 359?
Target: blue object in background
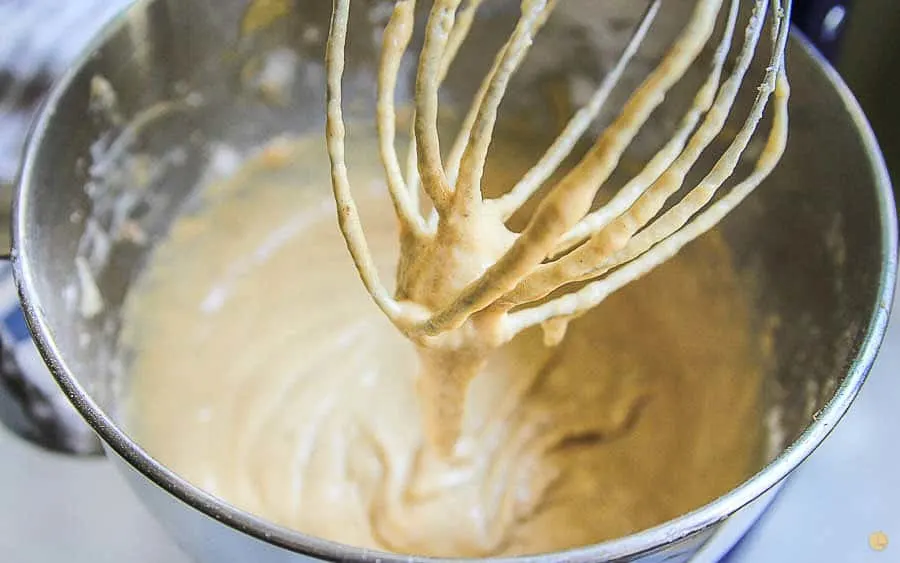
column 823, row 22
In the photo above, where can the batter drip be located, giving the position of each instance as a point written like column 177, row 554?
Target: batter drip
column 467, row 283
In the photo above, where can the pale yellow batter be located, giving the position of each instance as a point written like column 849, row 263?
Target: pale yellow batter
column 466, row 283
column 264, row 373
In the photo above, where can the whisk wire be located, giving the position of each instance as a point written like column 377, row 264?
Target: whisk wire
column 564, row 241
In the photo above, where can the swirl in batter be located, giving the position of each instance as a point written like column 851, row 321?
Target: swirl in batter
column 264, row 374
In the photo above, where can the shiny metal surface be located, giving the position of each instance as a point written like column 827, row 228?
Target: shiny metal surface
column 819, row 238
column 40, row 39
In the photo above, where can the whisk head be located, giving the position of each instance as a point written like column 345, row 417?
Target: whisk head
column 570, row 255
column 566, row 241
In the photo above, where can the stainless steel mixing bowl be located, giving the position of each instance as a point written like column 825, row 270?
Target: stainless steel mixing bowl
column 818, row 239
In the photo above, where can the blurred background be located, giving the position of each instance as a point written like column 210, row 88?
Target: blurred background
column 40, row 37
column 869, row 60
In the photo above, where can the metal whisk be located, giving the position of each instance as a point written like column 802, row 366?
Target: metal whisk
column 447, row 301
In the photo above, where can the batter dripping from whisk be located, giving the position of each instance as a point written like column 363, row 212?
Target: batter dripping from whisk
column 467, row 284
column 637, row 412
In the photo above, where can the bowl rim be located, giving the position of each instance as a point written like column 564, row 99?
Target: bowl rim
column 641, row 543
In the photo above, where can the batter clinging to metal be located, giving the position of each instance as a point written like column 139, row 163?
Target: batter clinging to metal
column 467, row 283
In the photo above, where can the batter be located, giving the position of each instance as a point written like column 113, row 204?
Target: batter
column 466, row 283
column 263, row 373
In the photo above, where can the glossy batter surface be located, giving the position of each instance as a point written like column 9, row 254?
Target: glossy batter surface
column 263, row 373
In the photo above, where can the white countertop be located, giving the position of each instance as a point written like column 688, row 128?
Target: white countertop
column 848, row 489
